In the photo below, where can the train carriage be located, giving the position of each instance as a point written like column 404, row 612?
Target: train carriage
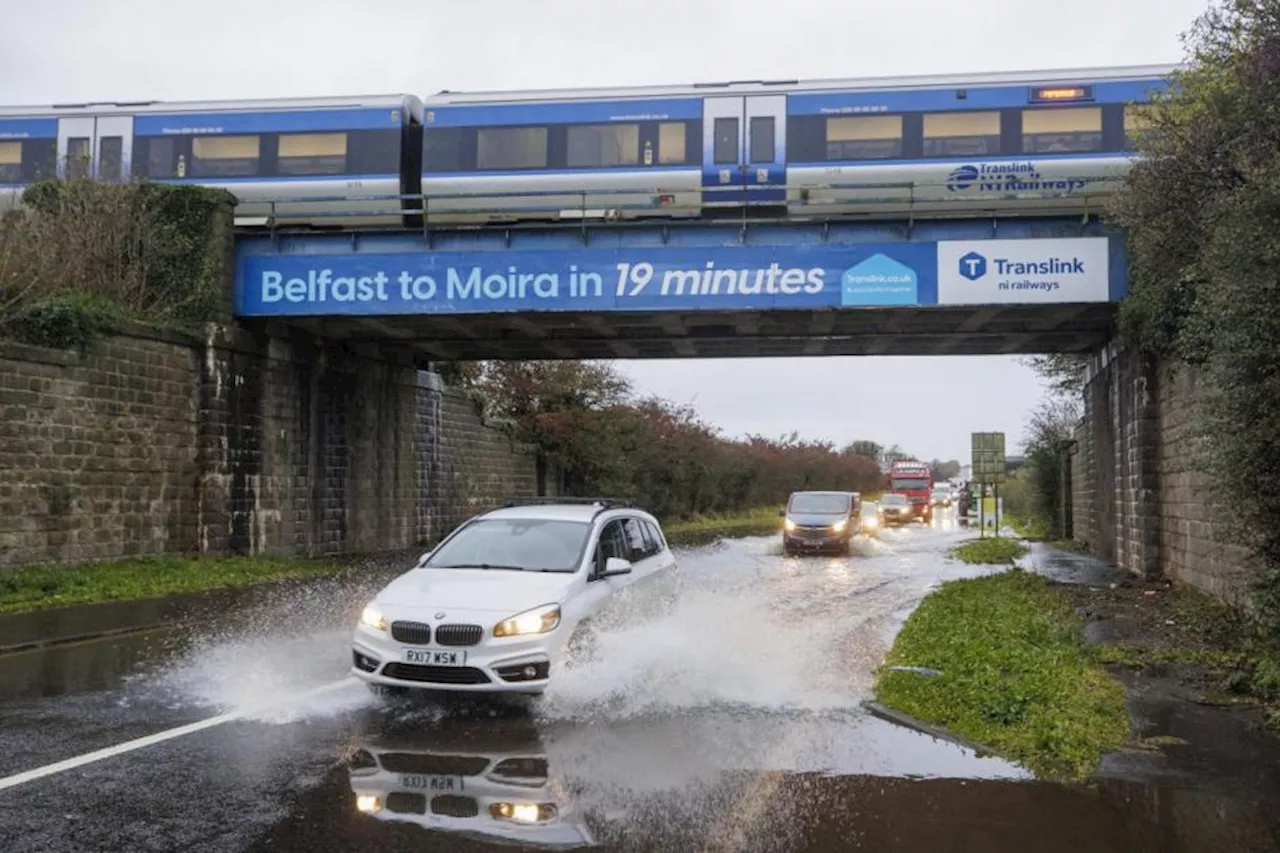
column 281, row 158
column 1038, row 142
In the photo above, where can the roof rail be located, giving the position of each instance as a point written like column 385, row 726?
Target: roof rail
column 606, row 503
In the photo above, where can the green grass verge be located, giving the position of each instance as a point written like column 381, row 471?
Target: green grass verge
column 1037, row 530
column 989, row 552
column 754, row 522
column 1016, row 675
column 40, row 587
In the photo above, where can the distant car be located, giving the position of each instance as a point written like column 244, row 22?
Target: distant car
column 894, row 510
column 820, row 521
column 493, row 607
column 941, row 497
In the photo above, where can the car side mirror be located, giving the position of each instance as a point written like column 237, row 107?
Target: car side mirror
column 616, row 566
column 422, row 561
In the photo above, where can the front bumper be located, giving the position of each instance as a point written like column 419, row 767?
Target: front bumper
column 495, row 665
column 814, row 541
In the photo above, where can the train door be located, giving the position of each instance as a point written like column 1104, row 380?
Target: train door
column 744, row 150
column 99, row 147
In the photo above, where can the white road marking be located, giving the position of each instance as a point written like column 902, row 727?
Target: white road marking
column 159, row 737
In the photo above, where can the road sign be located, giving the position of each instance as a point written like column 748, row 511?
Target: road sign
column 988, row 457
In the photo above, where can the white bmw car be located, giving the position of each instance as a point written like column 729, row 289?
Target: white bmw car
column 493, row 607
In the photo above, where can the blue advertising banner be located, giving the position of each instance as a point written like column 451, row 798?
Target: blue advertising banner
column 656, row 279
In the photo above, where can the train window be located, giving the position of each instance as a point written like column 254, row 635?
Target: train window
column 864, row 138
column 447, row 149
column 10, row 162
column 511, row 148
column 39, row 159
column 961, row 134
column 110, row 157
column 374, row 152
column 224, row 156
column 762, row 139
column 79, row 156
column 603, row 145
column 1137, row 123
column 1053, row 131
column 726, row 140
column 161, row 156
column 312, row 154
column 671, row 147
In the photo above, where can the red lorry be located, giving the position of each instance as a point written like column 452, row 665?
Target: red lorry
column 914, row 480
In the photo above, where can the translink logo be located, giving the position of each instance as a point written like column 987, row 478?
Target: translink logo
column 973, row 266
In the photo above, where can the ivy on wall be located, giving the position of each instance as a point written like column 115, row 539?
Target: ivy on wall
column 77, row 258
column 1201, row 212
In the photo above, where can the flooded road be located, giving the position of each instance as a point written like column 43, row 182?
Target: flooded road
column 729, row 719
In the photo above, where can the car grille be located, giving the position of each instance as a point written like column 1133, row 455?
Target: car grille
column 522, row 768
column 412, row 633
column 451, row 805
column 435, row 674
column 436, row 765
column 459, row 635
column 402, row 802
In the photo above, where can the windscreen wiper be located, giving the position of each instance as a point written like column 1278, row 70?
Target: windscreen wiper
column 481, row 566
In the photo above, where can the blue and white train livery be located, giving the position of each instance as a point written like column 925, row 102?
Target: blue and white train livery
column 993, row 144
column 1054, row 140
column 361, row 150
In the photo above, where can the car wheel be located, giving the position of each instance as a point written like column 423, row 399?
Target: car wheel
column 582, row 646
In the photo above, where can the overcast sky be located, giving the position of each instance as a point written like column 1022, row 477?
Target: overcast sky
column 60, row 51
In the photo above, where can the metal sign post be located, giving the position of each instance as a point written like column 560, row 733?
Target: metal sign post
column 988, row 470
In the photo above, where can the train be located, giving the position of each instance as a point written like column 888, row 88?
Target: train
column 1041, row 142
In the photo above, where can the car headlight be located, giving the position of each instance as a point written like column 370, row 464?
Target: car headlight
column 368, row 803
column 524, row 812
column 539, row 620
column 840, row 525
column 373, row 618
column 789, row 525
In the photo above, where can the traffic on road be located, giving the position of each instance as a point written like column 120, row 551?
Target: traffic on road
column 727, row 716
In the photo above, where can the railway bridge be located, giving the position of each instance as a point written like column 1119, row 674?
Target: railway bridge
column 694, row 289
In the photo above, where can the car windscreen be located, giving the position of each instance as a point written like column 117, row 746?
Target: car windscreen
column 910, row 484
column 893, row 500
column 819, row 504
column 503, row 543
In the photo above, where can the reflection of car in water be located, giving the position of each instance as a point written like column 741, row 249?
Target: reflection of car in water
column 484, row 788
column 820, row 521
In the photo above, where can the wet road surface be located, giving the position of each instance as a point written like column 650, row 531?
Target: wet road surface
column 729, row 720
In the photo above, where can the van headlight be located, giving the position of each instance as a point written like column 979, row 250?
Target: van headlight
column 789, row 525
column 840, row 525
column 372, row 617
column 539, row 620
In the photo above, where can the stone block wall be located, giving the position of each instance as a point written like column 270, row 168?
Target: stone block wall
column 1141, row 497
column 152, row 443
column 1196, row 544
column 98, row 451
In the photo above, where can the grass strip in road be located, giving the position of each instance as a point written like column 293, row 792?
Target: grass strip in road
column 1016, row 674
column 40, row 587
column 989, row 552
column 760, row 521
